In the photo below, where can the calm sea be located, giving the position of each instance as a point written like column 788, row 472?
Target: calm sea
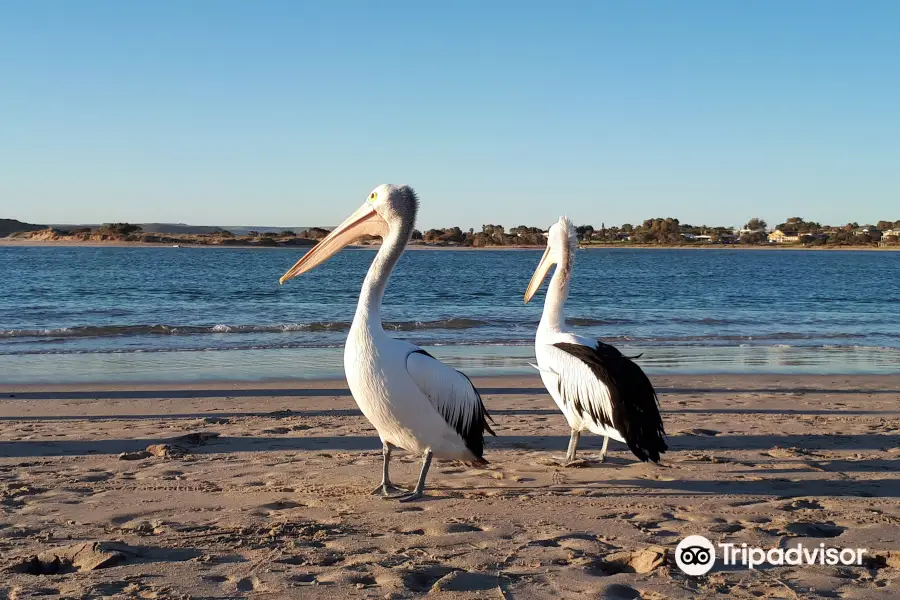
column 116, row 314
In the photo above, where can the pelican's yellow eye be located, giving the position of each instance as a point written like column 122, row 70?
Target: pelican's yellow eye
column 373, row 196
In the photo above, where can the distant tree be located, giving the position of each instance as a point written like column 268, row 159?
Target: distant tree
column 433, row 235
column 659, row 231
column 799, row 225
column 452, row 234
column 495, row 235
column 416, row 235
column 756, row 223
column 288, row 233
column 627, row 227
column 222, row 232
column 270, row 234
column 253, row 233
column 584, row 231
column 118, row 229
column 757, row 237
column 314, row 233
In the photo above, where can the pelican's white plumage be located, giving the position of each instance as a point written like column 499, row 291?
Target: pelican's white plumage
column 570, row 381
column 593, row 384
column 414, row 401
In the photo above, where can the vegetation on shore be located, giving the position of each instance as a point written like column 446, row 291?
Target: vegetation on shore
column 127, row 232
column 664, row 232
column 671, row 232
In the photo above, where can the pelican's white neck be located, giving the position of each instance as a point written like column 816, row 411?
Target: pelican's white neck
column 368, row 311
column 553, row 319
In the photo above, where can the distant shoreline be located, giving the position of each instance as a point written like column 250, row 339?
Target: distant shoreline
column 24, row 243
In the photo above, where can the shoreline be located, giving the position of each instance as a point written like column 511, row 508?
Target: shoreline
column 10, row 243
column 665, row 383
column 259, row 366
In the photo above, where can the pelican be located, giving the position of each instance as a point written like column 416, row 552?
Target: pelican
column 593, row 384
column 413, row 400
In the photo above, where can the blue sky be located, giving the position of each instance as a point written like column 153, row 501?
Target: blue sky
column 288, row 113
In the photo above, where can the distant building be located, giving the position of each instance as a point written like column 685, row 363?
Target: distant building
column 783, row 237
column 873, row 233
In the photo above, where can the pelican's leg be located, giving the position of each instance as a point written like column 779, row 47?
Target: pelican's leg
column 570, row 455
column 603, row 450
column 420, row 486
column 386, row 488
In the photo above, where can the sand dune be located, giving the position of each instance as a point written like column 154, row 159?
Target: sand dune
column 273, row 500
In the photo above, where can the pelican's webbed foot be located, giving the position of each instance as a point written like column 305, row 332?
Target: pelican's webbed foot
column 388, row 490
column 414, row 495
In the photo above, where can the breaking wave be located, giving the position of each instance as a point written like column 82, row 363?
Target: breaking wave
column 93, row 331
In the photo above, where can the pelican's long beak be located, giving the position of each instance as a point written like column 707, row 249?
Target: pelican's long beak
column 539, row 274
column 364, row 221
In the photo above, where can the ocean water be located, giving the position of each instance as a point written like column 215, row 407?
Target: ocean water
column 113, row 314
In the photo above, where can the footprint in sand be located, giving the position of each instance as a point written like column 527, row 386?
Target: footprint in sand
column 726, row 528
column 303, row 579
column 814, row 530
column 279, row 505
column 423, row 579
column 362, row 580
column 247, row 584
column 619, row 591
column 802, row 505
column 462, row 528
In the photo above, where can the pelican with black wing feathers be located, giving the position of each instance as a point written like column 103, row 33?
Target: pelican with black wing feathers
column 595, row 386
column 414, row 401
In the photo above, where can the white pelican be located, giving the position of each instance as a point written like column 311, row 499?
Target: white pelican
column 593, row 384
column 415, row 402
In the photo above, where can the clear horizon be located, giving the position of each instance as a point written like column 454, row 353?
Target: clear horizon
column 770, row 224
column 211, row 113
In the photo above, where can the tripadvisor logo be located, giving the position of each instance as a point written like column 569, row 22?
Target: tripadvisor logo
column 695, row 555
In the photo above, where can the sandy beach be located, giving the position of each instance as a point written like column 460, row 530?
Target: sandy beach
column 268, row 494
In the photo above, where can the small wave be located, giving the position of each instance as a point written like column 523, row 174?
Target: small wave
column 135, row 330
column 244, row 347
column 438, row 324
column 589, row 322
column 709, row 321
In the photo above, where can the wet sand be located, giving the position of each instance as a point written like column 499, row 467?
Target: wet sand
column 268, row 496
